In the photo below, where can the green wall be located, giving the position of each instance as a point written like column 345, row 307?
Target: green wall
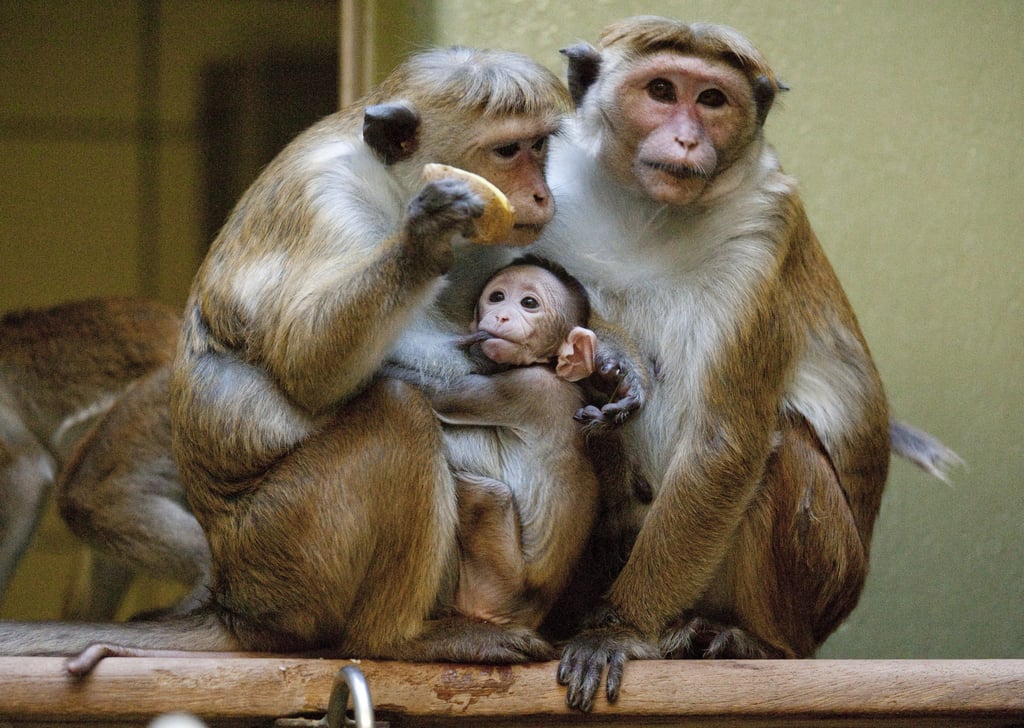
column 904, row 128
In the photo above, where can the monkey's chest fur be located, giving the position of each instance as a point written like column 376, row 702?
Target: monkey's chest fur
column 676, row 280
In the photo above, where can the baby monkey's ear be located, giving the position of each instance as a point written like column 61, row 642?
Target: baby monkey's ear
column 576, row 355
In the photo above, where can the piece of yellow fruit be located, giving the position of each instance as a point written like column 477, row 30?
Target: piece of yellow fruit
column 495, row 224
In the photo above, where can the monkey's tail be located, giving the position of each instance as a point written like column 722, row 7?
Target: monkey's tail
column 922, row 449
column 200, row 631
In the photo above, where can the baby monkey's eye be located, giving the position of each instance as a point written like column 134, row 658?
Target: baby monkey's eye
column 496, row 297
column 530, row 303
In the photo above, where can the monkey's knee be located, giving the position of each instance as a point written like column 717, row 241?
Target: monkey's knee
column 26, row 479
column 818, row 560
column 77, row 506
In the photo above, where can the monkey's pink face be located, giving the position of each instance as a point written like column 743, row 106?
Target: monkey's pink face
column 518, row 309
column 685, row 120
column 512, row 154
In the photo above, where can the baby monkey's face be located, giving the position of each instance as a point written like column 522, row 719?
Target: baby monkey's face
column 522, row 310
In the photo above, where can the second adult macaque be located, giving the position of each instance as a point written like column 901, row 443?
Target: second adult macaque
column 763, row 446
column 527, row 494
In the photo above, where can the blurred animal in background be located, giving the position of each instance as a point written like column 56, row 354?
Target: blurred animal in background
column 61, row 370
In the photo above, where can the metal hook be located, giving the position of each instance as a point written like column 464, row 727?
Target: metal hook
column 350, row 680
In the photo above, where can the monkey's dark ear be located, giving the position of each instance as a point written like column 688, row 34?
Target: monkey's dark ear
column 584, row 66
column 390, row 131
column 764, row 96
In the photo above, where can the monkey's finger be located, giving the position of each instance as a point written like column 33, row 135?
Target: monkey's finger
column 470, row 339
column 616, row 666
column 448, row 195
column 565, row 667
column 589, row 415
column 496, row 219
column 621, row 409
column 580, row 671
column 583, row 688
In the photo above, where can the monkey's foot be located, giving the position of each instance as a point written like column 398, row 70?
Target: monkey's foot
column 588, row 653
column 460, row 639
column 698, row 638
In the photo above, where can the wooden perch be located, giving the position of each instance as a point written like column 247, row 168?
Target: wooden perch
column 252, row 691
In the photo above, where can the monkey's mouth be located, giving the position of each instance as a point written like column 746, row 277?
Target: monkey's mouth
column 524, row 233
column 485, row 334
column 679, row 171
column 480, row 336
column 475, row 338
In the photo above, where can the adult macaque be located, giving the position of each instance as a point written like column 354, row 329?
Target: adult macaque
column 527, row 495
column 323, row 490
column 764, row 438
column 61, row 368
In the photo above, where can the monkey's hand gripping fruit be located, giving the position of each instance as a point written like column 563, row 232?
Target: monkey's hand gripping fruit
column 495, row 224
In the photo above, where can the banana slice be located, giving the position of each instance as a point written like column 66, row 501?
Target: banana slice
column 495, row 225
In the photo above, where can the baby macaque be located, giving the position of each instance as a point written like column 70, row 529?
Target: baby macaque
column 527, row 494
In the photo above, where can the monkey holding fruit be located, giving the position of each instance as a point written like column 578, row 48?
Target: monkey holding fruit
column 322, row 488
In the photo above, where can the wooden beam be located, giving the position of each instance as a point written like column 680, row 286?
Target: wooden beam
column 246, row 690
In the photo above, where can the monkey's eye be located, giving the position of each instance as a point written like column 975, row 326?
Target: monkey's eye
column 661, row 89
column 508, row 151
column 540, row 145
column 712, row 97
column 496, row 297
column 530, row 303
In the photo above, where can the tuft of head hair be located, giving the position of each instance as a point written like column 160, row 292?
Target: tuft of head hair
column 633, row 38
column 646, row 34
column 490, row 84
